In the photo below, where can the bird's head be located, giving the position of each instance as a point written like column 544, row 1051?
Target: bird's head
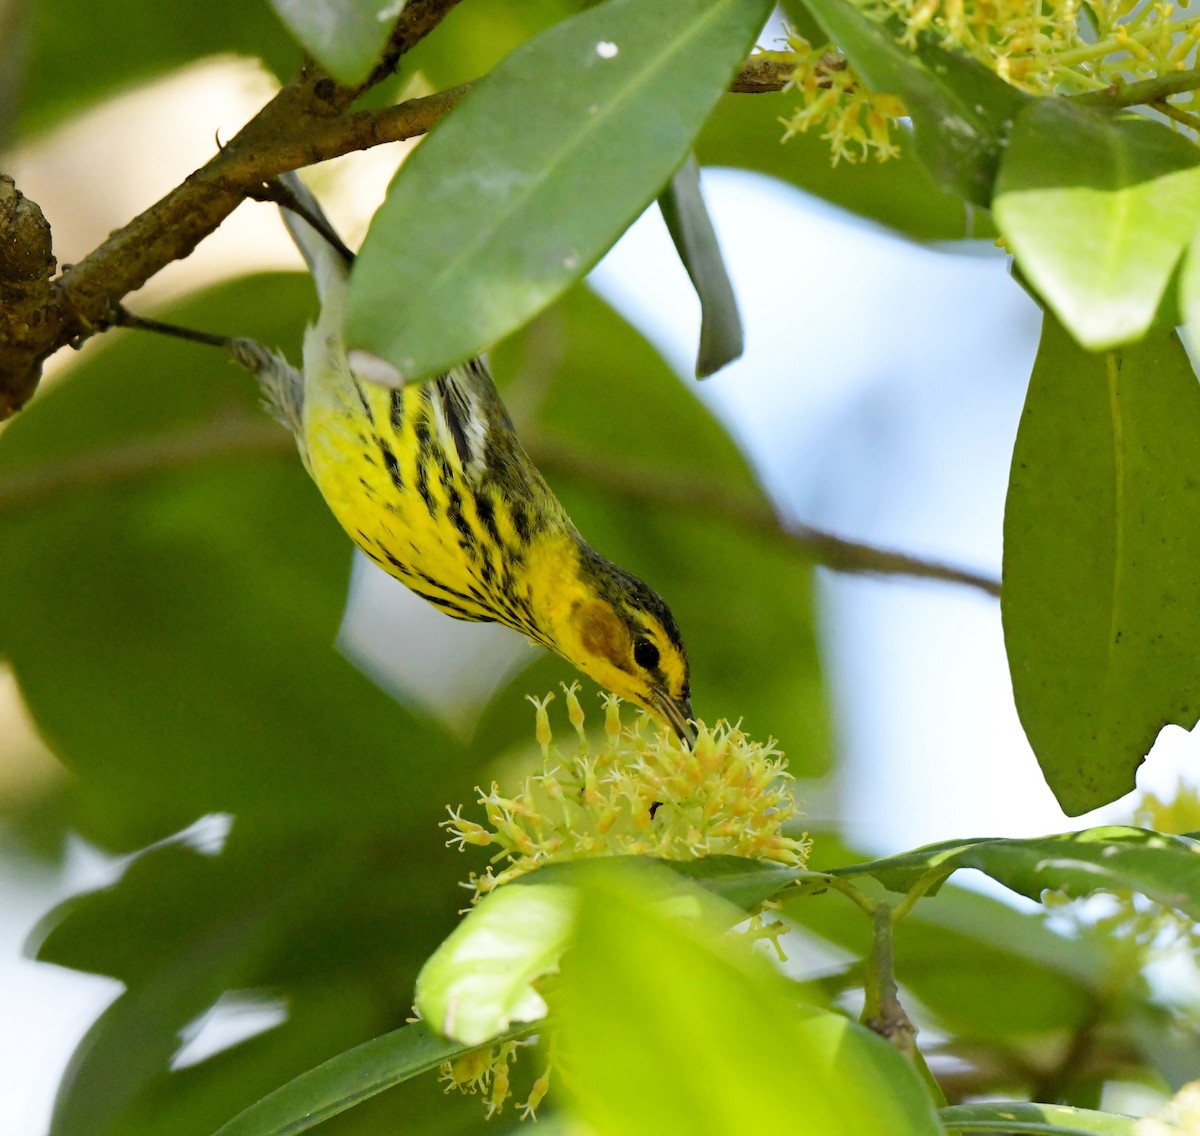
column 620, row 633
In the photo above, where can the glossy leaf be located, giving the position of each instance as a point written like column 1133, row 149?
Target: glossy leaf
column 691, row 229
column 1042, row 1119
column 1098, row 207
column 480, row 980
column 465, row 252
column 961, row 112
column 345, row 1081
column 1101, row 597
column 345, row 36
column 1164, row 868
column 690, row 1032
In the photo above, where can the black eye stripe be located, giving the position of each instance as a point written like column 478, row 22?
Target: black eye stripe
column 645, row 654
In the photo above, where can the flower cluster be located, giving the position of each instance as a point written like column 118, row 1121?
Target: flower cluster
column 857, row 122
column 640, row 792
column 1043, row 47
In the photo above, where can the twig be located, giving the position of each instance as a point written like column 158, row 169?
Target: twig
column 1183, row 117
column 1144, row 91
column 882, row 1011
column 747, row 512
column 250, row 434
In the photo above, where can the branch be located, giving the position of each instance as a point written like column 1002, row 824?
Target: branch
column 40, row 320
column 882, row 1011
column 750, row 513
column 238, row 434
column 1145, row 91
column 305, row 123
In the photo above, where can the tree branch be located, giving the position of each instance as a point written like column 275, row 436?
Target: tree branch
column 40, row 320
column 306, row 122
column 654, row 487
column 238, row 434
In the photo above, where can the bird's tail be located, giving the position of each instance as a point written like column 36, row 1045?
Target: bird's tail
column 324, row 252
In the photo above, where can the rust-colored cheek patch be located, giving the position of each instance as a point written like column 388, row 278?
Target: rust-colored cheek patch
column 604, row 634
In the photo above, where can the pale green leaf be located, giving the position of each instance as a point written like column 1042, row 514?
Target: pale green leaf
column 1098, row 207
column 675, row 1028
column 480, row 980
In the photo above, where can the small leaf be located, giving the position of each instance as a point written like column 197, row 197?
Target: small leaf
column 961, row 112
column 1098, row 207
column 1164, row 868
column 1044, row 1119
column 539, row 170
column 345, row 36
column 1101, row 597
column 672, row 1027
column 480, row 979
column 744, row 883
column 344, row 1081
column 691, row 229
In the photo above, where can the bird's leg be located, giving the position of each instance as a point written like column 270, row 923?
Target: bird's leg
column 246, row 352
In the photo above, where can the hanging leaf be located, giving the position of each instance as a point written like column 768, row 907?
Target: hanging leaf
column 1101, row 596
column 691, row 229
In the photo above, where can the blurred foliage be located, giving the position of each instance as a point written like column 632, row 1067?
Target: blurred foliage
column 173, row 585
column 69, row 55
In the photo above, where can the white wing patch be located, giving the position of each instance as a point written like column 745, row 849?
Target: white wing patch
column 460, row 422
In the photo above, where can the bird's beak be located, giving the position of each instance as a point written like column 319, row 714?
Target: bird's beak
column 678, row 716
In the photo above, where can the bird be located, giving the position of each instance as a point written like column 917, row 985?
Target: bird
column 431, row 482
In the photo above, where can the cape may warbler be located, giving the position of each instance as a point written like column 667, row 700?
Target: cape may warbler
column 430, row 481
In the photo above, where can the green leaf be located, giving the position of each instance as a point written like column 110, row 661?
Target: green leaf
column 745, row 883
column 1053, row 981
column 480, row 980
column 345, row 36
column 345, row 1081
column 1101, row 596
column 1164, row 868
column 695, row 240
column 1098, row 207
column 674, row 1028
column 1044, row 1119
column 461, row 254
column 961, row 111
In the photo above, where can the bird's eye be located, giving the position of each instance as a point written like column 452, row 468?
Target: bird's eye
column 645, row 654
